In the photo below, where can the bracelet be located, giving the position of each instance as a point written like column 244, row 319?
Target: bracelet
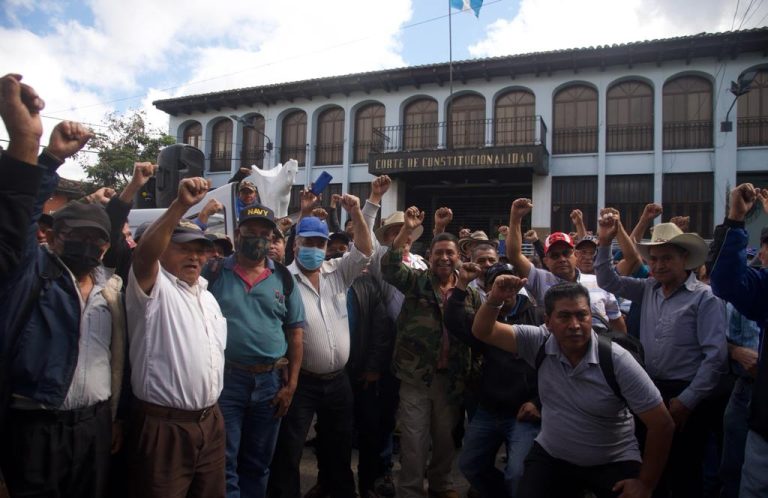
column 492, row 305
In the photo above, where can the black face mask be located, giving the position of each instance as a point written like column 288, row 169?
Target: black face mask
column 334, row 255
column 80, row 257
column 254, row 248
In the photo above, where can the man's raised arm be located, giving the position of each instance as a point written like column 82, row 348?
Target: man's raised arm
column 520, row 208
column 157, row 237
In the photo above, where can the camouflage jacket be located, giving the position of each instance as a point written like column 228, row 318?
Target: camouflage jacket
column 420, row 327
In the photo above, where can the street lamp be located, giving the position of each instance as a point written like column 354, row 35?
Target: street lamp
column 738, row 88
column 248, row 123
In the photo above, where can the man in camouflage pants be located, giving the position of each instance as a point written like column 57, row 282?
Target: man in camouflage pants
column 431, row 367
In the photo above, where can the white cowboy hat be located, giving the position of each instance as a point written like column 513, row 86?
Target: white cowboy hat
column 396, row 219
column 669, row 233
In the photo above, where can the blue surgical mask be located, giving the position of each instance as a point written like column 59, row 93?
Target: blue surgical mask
column 310, row 258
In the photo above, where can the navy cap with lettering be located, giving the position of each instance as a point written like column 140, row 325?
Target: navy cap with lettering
column 257, row 212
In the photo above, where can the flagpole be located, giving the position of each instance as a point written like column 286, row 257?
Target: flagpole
column 450, row 68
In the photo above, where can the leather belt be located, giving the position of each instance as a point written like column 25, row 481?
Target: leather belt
column 169, row 413
column 325, row 376
column 257, row 369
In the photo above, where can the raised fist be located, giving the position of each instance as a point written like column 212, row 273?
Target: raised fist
column 192, row 191
column 743, row 198
column 413, row 218
column 577, row 216
column 469, row 271
column 350, row 202
column 520, row 208
column 67, row 138
column 443, row 216
column 651, row 211
column 506, row 287
column 682, row 222
column 321, row 213
column 380, row 185
column 530, row 236
column 142, row 172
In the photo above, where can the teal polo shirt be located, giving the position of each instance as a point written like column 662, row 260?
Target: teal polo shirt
column 256, row 319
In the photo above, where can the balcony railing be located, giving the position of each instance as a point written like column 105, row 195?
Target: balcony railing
column 476, row 133
column 752, row 131
column 328, row 154
column 574, row 140
column 687, row 135
column 221, row 161
column 255, row 156
column 623, row 138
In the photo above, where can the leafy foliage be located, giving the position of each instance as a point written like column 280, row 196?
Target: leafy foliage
column 124, row 140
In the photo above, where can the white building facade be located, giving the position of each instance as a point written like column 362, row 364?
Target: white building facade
column 586, row 128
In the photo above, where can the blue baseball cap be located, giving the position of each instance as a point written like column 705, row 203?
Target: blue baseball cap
column 312, row 226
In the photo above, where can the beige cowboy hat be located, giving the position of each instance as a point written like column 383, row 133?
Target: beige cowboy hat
column 476, row 237
column 396, row 219
column 669, row 233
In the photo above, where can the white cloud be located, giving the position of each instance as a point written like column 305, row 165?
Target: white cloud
column 155, row 49
column 542, row 25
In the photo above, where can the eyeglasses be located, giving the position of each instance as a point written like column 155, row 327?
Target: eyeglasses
column 565, row 253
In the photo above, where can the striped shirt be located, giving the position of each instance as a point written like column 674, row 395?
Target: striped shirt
column 326, row 326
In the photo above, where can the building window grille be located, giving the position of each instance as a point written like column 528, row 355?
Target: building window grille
column 294, row 138
column 221, row 146
column 629, row 107
column 575, row 121
column 687, row 116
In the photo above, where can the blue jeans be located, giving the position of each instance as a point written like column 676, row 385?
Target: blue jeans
column 735, row 430
column 252, row 429
column 484, row 435
column 754, row 478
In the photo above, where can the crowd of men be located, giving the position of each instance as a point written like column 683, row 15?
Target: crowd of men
column 172, row 362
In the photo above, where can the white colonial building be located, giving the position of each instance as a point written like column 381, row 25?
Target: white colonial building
column 618, row 125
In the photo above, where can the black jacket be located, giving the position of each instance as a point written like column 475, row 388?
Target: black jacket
column 373, row 337
column 504, row 382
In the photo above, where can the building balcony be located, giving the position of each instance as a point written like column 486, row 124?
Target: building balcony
column 456, row 145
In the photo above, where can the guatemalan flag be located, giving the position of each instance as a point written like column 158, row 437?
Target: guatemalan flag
column 468, row 4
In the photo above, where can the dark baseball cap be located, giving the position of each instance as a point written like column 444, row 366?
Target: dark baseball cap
column 498, row 269
column 587, row 238
column 186, row 231
column 257, row 212
column 77, row 214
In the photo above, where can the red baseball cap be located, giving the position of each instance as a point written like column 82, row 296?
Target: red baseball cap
column 556, row 237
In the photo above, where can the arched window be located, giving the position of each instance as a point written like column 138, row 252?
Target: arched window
column 575, row 120
column 193, row 135
column 367, row 119
column 420, row 125
column 515, row 118
column 752, row 113
column 687, row 109
column 221, row 146
column 294, row 139
column 330, row 137
column 253, row 143
column 466, row 126
column 629, row 109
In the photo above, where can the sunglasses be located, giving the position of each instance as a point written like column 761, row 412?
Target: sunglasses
column 565, row 253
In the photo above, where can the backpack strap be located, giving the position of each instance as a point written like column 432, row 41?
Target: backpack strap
column 286, row 277
column 541, row 354
column 605, row 357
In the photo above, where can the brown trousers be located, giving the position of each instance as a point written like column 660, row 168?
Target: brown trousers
column 175, row 453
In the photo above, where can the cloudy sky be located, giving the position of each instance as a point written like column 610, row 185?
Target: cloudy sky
column 87, row 58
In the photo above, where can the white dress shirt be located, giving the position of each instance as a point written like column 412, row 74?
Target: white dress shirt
column 177, row 337
column 326, row 325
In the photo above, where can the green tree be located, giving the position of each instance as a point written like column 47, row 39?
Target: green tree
column 124, row 140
